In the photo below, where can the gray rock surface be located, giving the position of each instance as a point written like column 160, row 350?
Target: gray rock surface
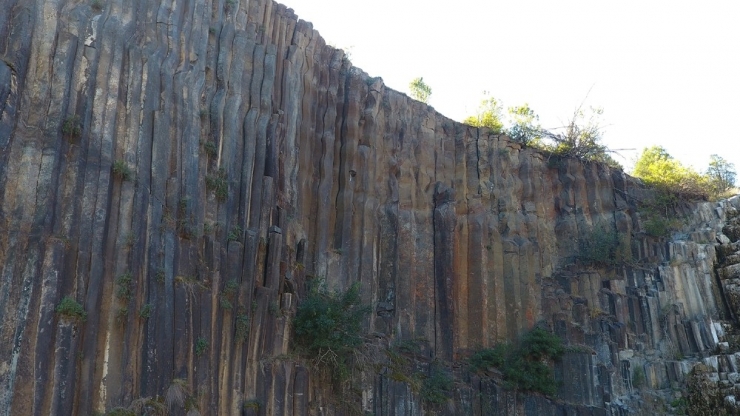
column 225, row 142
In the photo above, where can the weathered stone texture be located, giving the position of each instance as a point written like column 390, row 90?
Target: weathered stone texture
column 259, row 157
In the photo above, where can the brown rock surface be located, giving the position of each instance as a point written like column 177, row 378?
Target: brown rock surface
column 225, row 143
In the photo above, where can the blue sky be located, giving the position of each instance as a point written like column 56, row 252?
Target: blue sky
column 665, row 72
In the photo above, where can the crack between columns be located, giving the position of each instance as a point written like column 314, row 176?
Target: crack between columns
column 477, row 155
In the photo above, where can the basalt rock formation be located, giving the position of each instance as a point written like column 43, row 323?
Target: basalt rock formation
column 181, row 168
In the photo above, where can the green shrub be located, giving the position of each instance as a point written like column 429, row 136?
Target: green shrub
column 489, row 114
column 228, row 294
column 638, row 377
column 539, row 344
column 530, row 375
column 72, row 128
column 656, row 213
column 401, row 369
column 146, row 311
column 525, row 126
column 526, row 367
column 658, row 226
column 328, row 326
column 274, row 308
column 721, row 176
column 219, row 184
column 208, row 228
column 235, row 234
column 130, row 239
column 124, row 291
column 122, row 171
column 659, row 169
column 182, row 206
column 437, row 387
column 225, row 303
column 242, row 327
column 231, row 287
column 159, row 276
column 490, row 357
column 185, row 228
column 201, row 345
column 69, row 308
column 419, row 90
column 680, row 405
column 191, row 406
column 604, row 247
column 211, row 149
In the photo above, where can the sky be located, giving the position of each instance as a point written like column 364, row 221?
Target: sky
column 665, row 72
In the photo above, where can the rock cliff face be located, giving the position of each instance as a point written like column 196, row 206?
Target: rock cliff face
column 182, row 168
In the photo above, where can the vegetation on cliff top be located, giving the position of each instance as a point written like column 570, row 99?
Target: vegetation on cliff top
column 674, row 183
column 581, row 137
column 489, row 114
column 420, row 90
column 659, row 169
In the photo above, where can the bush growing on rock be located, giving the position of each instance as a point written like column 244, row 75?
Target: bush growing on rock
column 72, row 128
column 604, row 247
column 201, row 345
column 219, row 184
column 526, row 367
column 70, row 308
column 490, row 357
column 638, row 377
column 122, row 171
column 328, row 326
column 437, row 386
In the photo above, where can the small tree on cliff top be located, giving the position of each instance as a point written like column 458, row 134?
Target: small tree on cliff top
column 525, row 127
column 420, row 90
column 658, row 168
column 721, row 174
column 489, row 114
